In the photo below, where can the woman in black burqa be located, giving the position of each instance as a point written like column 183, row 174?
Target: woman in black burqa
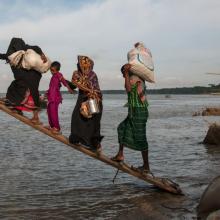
column 23, row 94
column 86, row 130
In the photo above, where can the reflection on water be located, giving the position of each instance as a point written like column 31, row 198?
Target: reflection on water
column 43, row 179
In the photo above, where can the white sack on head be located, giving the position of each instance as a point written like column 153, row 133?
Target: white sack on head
column 141, row 62
column 30, row 60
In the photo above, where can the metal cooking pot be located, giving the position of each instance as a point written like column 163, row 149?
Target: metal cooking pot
column 93, row 106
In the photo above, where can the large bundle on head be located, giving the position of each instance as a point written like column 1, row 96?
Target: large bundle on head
column 141, row 62
column 29, row 60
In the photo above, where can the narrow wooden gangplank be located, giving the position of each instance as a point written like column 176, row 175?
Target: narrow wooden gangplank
column 162, row 183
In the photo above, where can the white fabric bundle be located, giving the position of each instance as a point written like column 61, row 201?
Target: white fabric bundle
column 29, row 60
column 141, row 62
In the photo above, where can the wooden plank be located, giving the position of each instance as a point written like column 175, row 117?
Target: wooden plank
column 162, row 183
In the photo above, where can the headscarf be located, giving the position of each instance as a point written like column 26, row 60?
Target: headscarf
column 85, row 64
column 84, row 77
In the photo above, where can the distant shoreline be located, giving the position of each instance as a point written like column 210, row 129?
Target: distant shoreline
column 196, row 90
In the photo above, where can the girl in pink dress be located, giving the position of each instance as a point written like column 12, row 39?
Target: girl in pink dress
column 54, row 97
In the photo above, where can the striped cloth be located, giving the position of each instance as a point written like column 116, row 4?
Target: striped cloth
column 132, row 131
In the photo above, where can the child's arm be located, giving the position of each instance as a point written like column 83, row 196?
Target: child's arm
column 71, row 85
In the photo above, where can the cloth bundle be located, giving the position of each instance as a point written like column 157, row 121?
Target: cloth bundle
column 141, row 62
column 29, row 60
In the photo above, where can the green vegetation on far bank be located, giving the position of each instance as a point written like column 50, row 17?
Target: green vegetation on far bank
column 187, row 90
column 183, row 90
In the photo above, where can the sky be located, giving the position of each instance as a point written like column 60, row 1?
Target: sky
column 183, row 37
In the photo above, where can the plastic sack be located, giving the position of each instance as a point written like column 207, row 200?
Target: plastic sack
column 29, row 60
column 141, row 62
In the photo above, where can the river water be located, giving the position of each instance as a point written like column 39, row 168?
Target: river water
column 43, row 179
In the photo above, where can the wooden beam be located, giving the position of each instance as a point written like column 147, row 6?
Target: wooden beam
column 162, row 183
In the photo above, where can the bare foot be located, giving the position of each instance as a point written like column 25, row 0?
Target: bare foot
column 14, row 110
column 99, row 149
column 48, row 127
column 118, row 158
column 2, row 100
column 143, row 170
column 55, row 131
column 36, row 121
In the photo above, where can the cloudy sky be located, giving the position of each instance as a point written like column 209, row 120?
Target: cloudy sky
column 182, row 35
